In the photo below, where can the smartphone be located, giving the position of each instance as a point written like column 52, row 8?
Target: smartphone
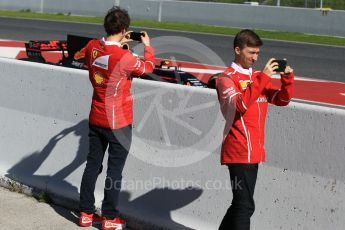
column 136, row 36
column 281, row 65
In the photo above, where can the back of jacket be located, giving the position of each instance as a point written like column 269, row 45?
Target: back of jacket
column 110, row 72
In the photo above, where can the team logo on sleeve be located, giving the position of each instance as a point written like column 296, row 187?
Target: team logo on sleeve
column 244, row 84
column 230, row 91
column 99, row 79
column 261, row 99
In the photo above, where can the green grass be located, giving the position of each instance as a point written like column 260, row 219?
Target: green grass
column 285, row 36
column 43, row 197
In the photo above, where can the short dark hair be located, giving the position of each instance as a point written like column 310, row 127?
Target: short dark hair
column 247, row 38
column 116, row 20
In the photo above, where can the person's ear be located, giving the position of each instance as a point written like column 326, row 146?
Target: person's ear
column 237, row 50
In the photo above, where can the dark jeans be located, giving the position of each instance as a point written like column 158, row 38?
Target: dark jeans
column 243, row 179
column 119, row 141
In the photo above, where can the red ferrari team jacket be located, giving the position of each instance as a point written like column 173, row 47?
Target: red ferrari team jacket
column 110, row 71
column 244, row 95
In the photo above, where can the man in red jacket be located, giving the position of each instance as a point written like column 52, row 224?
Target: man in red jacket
column 110, row 122
column 244, row 94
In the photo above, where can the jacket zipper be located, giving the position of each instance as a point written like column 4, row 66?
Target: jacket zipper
column 247, row 137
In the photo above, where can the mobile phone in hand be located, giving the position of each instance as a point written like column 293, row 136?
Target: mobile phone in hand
column 136, row 36
column 281, row 65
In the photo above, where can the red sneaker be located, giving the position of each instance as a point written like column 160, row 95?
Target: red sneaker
column 114, row 224
column 86, row 220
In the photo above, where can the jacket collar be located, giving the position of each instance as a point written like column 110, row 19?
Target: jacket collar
column 110, row 43
column 242, row 70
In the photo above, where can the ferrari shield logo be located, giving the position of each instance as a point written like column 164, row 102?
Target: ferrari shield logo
column 94, row 54
column 244, row 84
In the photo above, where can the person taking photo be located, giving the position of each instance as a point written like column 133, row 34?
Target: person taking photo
column 244, row 94
column 111, row 69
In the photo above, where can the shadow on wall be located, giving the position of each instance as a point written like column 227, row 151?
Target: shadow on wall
column 157, row 203
column 25, row 169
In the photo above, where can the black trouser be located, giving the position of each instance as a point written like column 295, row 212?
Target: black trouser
column 119, row 141
column 243, row 179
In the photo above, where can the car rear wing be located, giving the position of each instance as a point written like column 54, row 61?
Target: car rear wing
column 35, row 48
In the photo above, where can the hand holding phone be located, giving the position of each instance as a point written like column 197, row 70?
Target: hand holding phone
column 281, row 65
column 136, row 36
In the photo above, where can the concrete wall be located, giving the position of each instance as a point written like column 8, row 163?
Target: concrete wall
column 84, row 7
column 257, row 17
column 34, row 5
column 172, row 177
column 311, row 21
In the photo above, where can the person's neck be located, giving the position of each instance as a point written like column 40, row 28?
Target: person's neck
column 240, row 65
column 237, row 67
column 114, row 38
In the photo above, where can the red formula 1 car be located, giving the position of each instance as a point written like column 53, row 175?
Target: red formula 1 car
column 73, row 56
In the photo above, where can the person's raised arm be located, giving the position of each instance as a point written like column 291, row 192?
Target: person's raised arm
column 137, row 67
column 282, row 96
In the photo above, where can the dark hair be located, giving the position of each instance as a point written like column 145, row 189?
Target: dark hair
column 247, row 38
column 116, row 20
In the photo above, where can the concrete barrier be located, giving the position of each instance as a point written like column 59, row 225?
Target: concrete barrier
column 79, row 7
column 288, row 19
column 34, row 5
column 84, row 7
column 150, row 10
column 313, row 21
column 172, row 177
